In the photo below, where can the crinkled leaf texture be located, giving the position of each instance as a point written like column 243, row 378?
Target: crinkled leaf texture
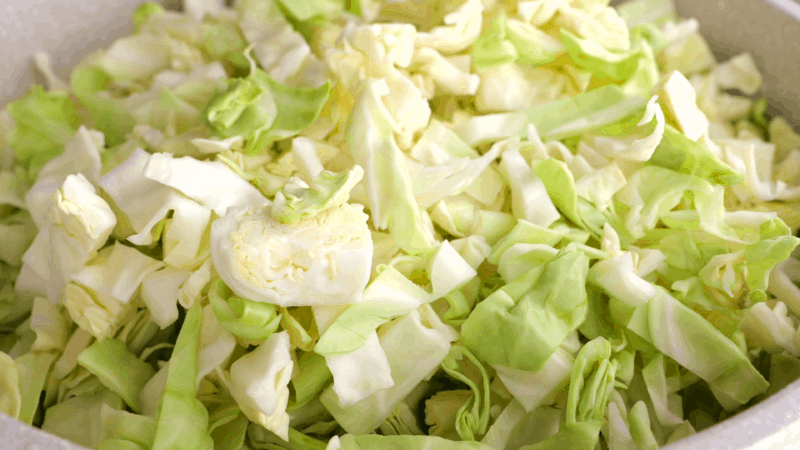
column 418, row 333
column 118, row 369
column 542, row 308
column 372, row 145
column 327, row 190
column 79, row 222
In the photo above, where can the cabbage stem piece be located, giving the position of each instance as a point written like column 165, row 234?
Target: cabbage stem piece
column 320, row 260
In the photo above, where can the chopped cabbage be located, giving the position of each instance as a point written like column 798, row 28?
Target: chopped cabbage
column 443, row 225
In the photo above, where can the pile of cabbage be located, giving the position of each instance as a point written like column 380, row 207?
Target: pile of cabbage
column 430, row 224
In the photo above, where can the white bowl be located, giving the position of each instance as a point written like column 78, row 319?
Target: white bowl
column 769, row 29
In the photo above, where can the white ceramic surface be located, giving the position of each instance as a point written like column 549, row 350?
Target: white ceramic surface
column 769, row 29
